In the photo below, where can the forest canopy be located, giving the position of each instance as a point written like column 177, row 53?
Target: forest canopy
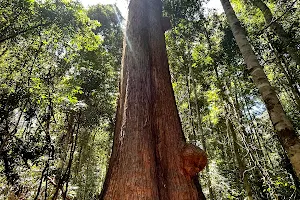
column 60, row 66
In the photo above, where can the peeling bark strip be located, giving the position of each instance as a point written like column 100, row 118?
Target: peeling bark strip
column 284, row 128
column 150, row 159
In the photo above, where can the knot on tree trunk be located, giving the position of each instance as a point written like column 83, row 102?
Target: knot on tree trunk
column 166, row 24
column 194, row 159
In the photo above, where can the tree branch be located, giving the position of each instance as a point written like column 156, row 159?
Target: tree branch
column 23, row 31
column 275, row 20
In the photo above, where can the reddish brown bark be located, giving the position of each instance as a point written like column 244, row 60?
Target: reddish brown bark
column 150, row 159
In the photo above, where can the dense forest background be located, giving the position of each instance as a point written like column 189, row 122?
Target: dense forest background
column 59, row 76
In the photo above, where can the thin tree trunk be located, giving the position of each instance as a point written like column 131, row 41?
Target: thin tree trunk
column 188, row 85
column 258, row 136
column 150, row 159
column 284, row 128
column 278, row 29
column 240, row 161
column 289, row 79
column 253, row 154
column 237, row 150
column 241, row 164
column 201, row 133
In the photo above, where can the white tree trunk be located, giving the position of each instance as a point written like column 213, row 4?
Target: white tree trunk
column 283, row 126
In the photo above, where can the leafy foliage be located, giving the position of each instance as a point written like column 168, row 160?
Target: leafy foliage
column 58, row 93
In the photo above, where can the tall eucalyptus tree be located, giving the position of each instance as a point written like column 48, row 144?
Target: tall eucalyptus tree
column 283, row 126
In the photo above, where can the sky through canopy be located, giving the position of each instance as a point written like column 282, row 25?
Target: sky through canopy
column 122, row 4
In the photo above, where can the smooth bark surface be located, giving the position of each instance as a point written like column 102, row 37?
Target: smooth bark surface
column 284, row 129
column 150, row 159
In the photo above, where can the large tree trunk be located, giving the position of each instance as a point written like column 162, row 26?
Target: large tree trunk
column 150, row 159
column 284, row 128
column 278, row 29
